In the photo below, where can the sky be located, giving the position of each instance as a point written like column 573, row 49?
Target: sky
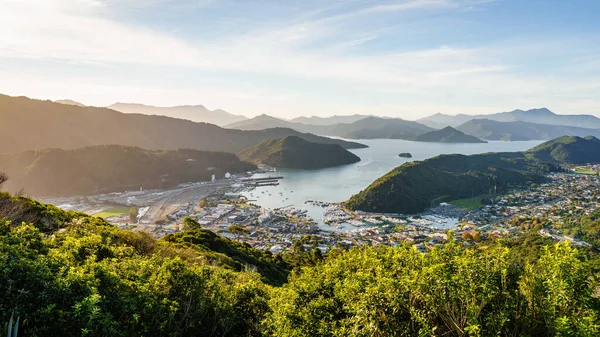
column 287, row 58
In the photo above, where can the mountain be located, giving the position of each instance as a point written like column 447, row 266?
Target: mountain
column 376, row 127
column 440, row 120
column 447, row 135
column 568, row 150
column 262, row 122
column 29, row 124
column 517, row 131
column 296, row 153
column 323, row 121
column 69, row 102
column 414, row 186
column 537, row 116
column 195, row 113
column 112, row 168
column 365, row 128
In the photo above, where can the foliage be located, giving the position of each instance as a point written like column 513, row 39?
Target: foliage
column 449, row 292
column 133, row 214
column 81, row 276
column 230, row 254
column 294, row 152
column 100, row 281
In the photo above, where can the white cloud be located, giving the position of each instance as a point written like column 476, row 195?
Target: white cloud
column 72, row 31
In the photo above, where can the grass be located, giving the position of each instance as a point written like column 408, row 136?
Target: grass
column 584, row 170
column 469, row 204
column 114, row 211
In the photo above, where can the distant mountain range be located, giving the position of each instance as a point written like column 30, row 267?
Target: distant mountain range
column 448, row 135
column 519, row 131
column 538, row 116
column 506, row 126
column 296, row 153
column 111, row 168
column 195, row 113
column 335, row 119
column 365, row 128
column 29, row 124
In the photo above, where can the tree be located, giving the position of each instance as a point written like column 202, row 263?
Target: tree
column 133, row 214
column 189, row 223
column 237, row 230
column 202, row 203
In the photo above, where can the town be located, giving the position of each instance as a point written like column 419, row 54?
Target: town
column 220, row 206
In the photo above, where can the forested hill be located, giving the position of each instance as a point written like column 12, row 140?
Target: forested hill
column 110, row 168
column 568, row 150
column 29, row 124
column 447, row 135
column 415, row 186
column 294, row 152
column 69, row 274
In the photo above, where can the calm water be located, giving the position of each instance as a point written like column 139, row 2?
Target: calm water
column 339, row 183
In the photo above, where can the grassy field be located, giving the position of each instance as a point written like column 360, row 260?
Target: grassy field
column 469, row 204
column 114, row 211
column 584, row 170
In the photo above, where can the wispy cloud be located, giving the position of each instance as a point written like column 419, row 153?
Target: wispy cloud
column 328, row 47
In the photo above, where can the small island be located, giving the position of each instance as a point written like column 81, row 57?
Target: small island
column 405, row 155
column 296, row 153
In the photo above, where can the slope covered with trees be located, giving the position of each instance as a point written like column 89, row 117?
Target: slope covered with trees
column 568, row 150
column 414, row 186
column 69, row 274
column 447, row 135
column 63, row 126
column 296, row 153
column 102, row 169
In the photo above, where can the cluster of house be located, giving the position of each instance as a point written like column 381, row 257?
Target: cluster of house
column 277, row 230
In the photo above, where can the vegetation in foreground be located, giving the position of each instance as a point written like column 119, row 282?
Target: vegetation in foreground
column 69, row 274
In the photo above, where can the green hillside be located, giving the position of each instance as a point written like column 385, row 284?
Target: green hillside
column 296, row 153
column 55, row 125
column 568, row 150
column 447, row 135
column 70, row 274
column 414, row 186
column 102, row 169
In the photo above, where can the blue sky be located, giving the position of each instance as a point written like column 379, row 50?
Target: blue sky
column 401, row 58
